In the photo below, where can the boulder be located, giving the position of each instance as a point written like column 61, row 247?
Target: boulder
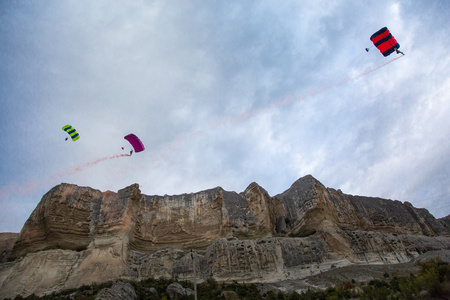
column 118, row 291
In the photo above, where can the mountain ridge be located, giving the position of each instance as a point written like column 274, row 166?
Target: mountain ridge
column 82, row 235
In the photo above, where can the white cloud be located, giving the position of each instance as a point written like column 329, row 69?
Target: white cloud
column 223, row 94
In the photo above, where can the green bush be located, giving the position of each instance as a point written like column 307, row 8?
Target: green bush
column 432, row 281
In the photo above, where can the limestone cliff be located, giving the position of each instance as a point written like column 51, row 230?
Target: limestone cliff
column 309, row 205
column 79, row 235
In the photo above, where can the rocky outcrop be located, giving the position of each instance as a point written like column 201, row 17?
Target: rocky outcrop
column 309, row 204
column 69, row 217
column 445, row 221
column 79, row 235
column 7, row 240
column 176, row 291
column 118, row 291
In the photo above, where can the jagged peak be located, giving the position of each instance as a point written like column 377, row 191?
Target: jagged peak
column 131, row 191
column 134, row 186
column 306, row 179
column 253, row 186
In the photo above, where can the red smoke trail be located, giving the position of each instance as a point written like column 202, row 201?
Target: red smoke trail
column 289, row 100
column 32, row 186
column 175, row 145
column 312, row 93
column 24, row 189
column 178, row 141
column 90, row 164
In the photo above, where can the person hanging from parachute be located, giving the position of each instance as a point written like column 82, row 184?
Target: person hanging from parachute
column 385, row 42
column 137, row 144
column 72, row 132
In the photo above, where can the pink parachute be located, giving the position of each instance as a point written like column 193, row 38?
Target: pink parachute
column 135, row 142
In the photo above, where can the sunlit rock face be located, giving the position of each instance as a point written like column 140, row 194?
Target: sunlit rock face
column 308, row 204
column 78, row 235
column 70, row 217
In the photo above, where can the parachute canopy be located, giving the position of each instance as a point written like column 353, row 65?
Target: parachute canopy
column 135, row 142
column 384, row 41
column 72, row 132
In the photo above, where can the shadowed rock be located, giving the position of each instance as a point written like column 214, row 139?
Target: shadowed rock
column 118, row 291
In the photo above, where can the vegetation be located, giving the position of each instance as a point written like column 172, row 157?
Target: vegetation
column 431, row 282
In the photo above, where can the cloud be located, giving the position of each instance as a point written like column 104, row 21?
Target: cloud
column 223, row 94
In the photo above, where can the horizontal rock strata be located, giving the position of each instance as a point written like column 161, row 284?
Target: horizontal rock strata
column 79, row 235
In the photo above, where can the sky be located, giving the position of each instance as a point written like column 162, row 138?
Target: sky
column 224, row 93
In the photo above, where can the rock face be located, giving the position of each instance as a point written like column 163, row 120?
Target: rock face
column 445, row 221
column 176, row 291
column 118, row 291
column 7, row 240
column 78, row 235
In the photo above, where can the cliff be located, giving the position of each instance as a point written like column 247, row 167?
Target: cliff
column 79, row 235
column 7, row 240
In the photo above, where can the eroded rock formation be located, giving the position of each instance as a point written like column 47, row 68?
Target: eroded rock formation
column 7, row 240
column 79, row 235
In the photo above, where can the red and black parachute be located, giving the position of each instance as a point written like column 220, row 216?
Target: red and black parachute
column 385, row 42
